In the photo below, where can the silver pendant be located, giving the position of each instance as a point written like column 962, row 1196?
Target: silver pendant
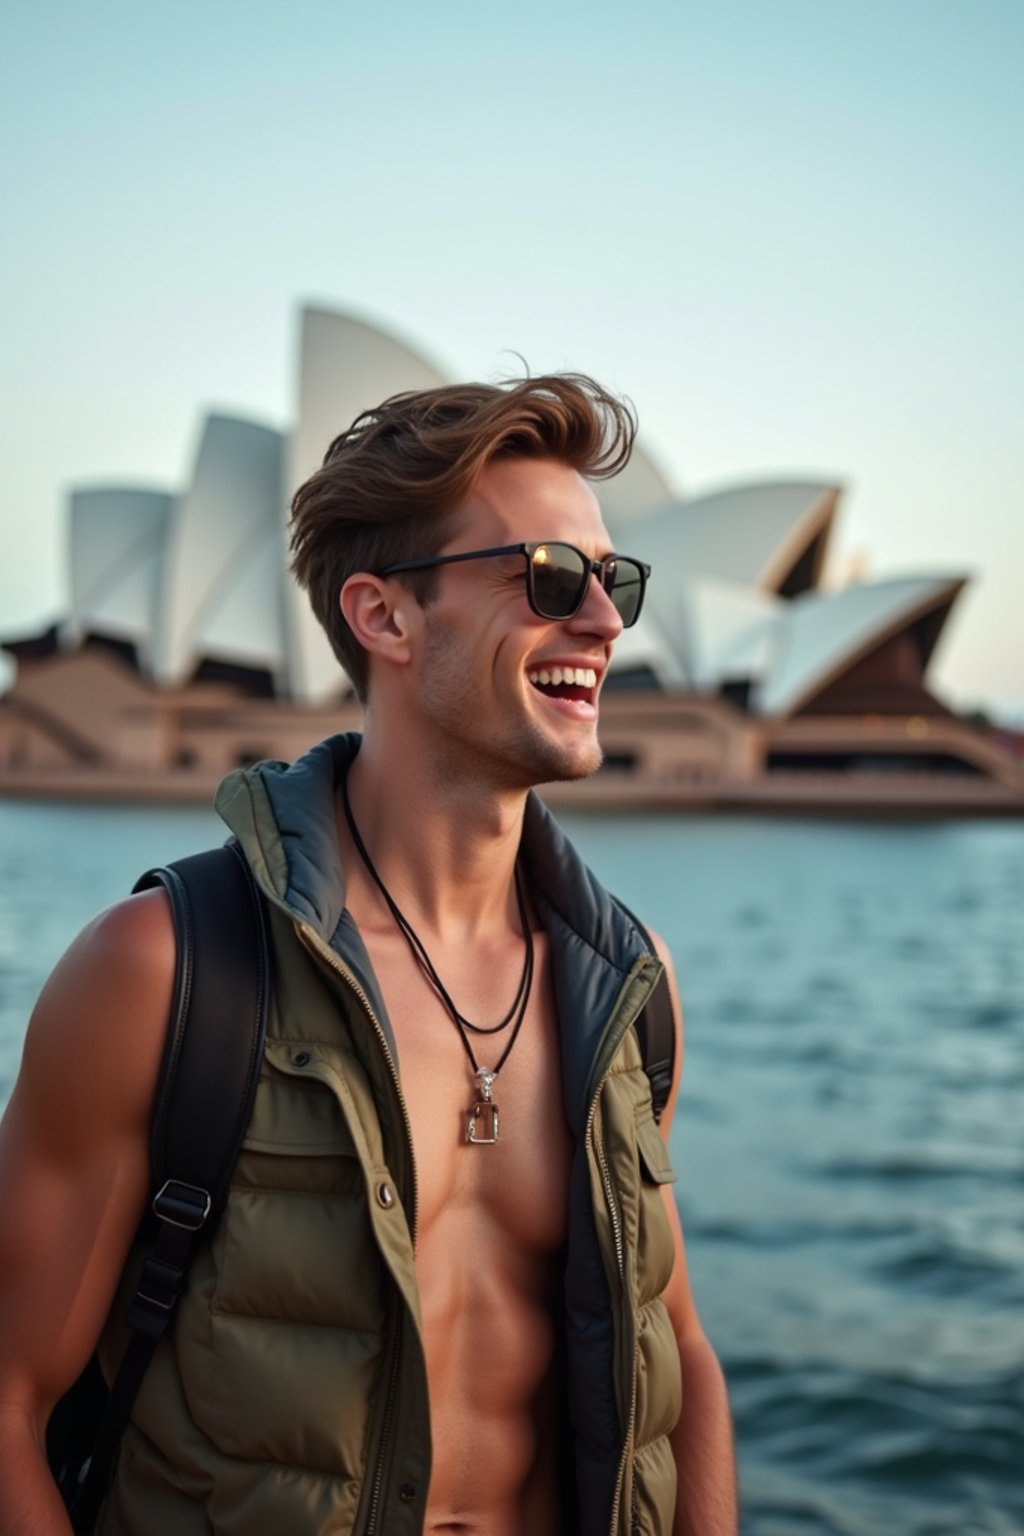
column 482, row 1124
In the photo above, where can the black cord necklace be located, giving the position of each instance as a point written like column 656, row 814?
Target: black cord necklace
column 482, row 1119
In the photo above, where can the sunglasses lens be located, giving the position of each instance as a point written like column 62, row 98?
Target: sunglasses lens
column 558, row 579
column 625, row 587
column 557, row 575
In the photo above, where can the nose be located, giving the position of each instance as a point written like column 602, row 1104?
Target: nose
column 598, row 615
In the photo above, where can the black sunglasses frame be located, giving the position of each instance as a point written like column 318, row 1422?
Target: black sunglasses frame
column 604, row 570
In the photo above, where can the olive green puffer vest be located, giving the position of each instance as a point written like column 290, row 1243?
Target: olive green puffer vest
column 290, row 1398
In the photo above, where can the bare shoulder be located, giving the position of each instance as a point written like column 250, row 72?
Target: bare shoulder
column 74, row 1147
column 95, row 1039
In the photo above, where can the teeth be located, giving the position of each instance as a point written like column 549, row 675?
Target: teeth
column 579, row 677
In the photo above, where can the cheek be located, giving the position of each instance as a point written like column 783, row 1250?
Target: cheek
column 509, row 657
column 482, row 653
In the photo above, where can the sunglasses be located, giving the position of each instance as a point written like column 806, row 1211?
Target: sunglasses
column 557, row 577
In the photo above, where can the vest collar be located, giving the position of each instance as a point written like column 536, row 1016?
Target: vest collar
column 283, row 815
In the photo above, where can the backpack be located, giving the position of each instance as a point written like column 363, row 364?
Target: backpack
column 208, row 1075
column 204, row 1098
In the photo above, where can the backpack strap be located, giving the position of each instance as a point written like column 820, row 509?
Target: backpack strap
column 204, row 1098
column 222, row 982
column 655, row 1029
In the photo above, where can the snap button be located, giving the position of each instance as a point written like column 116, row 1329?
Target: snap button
column 385, row 1196
column 407, row 1493
column 302, row 1058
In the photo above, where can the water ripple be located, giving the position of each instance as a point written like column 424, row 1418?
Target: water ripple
column 925, row 1166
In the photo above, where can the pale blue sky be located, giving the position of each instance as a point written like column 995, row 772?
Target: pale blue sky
column 793, row 232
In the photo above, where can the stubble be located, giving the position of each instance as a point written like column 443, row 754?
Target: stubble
column 496, row 739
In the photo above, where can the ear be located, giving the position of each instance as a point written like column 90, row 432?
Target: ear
column 380, row 615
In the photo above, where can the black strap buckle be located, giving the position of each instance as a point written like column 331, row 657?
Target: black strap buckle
column 182, row 1205
column 160, row 1284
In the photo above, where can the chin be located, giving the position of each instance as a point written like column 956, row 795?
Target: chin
column 553, row 762
column 577, row 765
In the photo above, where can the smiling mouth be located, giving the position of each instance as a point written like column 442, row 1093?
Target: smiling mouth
column 577, row 683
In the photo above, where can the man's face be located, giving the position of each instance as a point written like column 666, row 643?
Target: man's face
column 484, row 652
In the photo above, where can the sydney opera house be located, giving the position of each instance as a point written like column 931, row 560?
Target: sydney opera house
column 747, row 684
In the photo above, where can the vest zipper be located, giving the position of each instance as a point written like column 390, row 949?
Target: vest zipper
column 314, row 942
column 620, row 1259
column 389, row 1406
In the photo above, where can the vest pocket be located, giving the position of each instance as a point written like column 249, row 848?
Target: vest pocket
column 655, row 1250
column 654, row 1158
column 297, row 1138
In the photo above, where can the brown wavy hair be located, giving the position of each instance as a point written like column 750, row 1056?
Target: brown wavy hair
column 391, row 486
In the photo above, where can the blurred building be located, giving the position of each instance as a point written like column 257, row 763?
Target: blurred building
column 187, row 649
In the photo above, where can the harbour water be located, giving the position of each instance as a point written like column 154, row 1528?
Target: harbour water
column 849, row 1149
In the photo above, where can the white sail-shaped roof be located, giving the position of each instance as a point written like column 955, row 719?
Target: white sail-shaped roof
column 116, row 548
column 734, row 596
column 822, row 634
column 224, row 562
column 752, row 535
column 727, row 630
column 646, row 648
column 345, row 368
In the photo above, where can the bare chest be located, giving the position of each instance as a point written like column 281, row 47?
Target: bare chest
column 514, row 1190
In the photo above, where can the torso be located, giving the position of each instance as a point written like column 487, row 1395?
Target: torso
column 492, row 1222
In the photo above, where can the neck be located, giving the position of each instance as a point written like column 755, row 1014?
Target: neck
column 445, row 845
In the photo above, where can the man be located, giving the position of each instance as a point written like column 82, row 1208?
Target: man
column 450, row 1298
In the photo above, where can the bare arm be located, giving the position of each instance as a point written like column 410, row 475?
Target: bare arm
column 707, row 1503
column 74, row 1170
